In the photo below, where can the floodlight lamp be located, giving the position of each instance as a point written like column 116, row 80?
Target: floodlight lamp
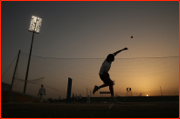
column 35, row 24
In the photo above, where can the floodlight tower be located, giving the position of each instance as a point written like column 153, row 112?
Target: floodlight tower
column 35, row 25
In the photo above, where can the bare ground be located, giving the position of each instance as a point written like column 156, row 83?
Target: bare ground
column 92, row 110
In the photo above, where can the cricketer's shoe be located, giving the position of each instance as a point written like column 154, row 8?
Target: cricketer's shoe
column 95, row 89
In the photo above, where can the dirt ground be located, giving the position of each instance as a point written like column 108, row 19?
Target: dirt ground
column 91, row 110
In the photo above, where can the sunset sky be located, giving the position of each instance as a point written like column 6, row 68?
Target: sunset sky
column 93, row 30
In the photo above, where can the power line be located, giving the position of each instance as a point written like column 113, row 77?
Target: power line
column 40, row 84
column 8, row 67
column 96, row 58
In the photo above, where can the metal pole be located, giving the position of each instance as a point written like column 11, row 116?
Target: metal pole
column 27, row 71
column 14, row 75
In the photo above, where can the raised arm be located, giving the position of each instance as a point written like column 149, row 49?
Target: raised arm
column 120, row 51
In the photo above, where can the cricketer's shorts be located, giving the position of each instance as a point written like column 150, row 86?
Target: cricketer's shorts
column 105, row 80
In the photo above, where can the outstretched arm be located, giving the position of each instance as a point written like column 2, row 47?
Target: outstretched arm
column 120, row 51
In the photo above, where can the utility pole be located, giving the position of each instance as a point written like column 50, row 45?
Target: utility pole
column 13, row 76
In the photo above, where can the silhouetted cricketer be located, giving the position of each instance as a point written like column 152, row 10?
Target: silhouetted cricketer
column 104, row 75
